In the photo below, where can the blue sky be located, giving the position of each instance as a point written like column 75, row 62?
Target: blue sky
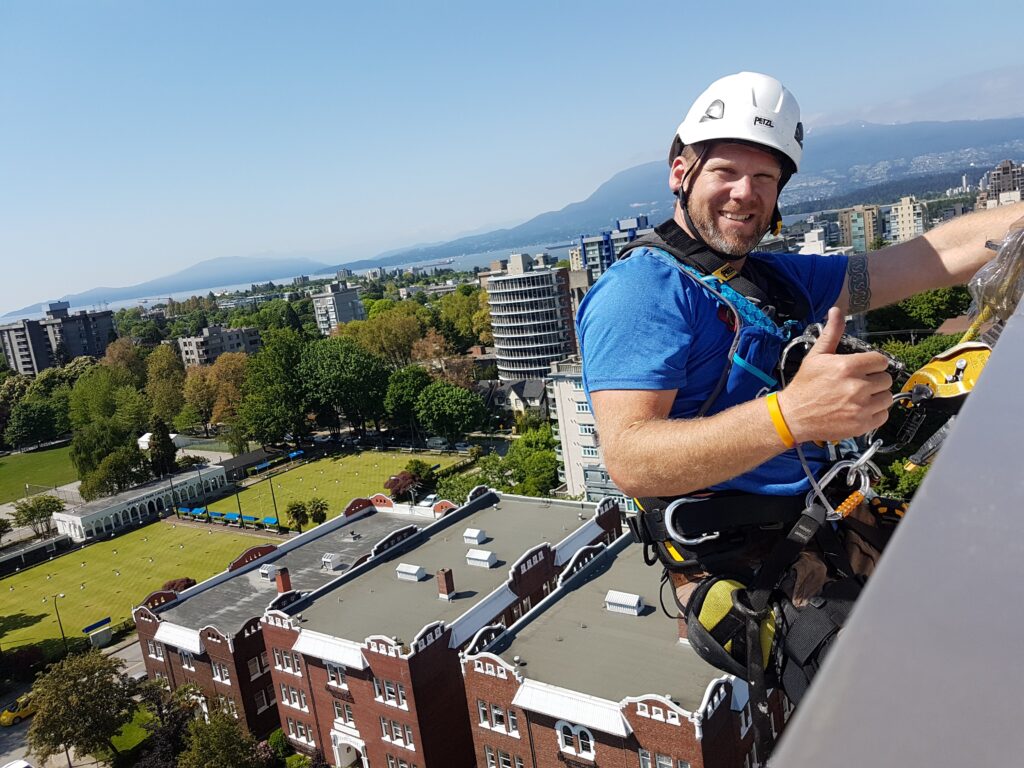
column 137, row 138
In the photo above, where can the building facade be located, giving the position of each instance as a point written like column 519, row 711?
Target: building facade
column 860, row 226
column 531, row 320
column 214, row 341
column 1001, row 186
column 598, row 252
column 31, row 346
column 337, row 305
column 581, row 469
column 907, row 220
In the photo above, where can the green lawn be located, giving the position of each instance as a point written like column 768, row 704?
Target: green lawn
column 48, row 467
column 108, row 578
column 338, row 479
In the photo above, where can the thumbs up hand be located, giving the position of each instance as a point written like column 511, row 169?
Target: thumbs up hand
column 834, row 396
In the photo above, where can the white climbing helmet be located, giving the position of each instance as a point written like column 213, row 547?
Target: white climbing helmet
column 747, row 107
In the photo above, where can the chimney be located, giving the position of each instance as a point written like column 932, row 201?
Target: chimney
column 445, row 584
column 284, row 581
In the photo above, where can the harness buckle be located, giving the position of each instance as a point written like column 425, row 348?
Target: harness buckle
column 674, row 532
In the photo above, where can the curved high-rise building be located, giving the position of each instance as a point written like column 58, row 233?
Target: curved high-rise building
column 532, row 322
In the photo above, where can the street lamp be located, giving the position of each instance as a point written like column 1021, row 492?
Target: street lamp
column 59, row 623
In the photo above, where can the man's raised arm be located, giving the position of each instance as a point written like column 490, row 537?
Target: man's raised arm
column 948, row 255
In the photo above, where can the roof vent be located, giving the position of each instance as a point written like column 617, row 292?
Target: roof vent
column 623, row 602
column 481, row 558
column 409, row 572
column 473, row 536
column 331, row 561
column 268, row 571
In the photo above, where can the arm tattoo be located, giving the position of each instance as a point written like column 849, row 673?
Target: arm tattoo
column 859, row 283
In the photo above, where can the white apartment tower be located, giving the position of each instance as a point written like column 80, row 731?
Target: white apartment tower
column 582, row 469
column 906, row 220
column 531, row 319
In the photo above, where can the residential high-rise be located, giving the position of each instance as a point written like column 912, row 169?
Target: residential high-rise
column 31, row 346
column 531, row 319
column 338, row 304
column 597, row 252
column 581, row 469
column 215, row 341
column 906, row 220
column 1001, row 186
column 860, row 226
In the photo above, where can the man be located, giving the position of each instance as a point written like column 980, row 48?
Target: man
column 654, row 342
column 681, row 343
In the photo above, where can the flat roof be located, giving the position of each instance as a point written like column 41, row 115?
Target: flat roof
column 579, row 645
column 230, row 604
column 378, row 603
column 126, row 497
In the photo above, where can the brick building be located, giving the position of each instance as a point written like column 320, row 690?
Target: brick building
column 367, row 670
column 209, row 635
column 595, row 675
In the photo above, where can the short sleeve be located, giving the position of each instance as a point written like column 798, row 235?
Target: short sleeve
column 633, row 327
column 822, row 277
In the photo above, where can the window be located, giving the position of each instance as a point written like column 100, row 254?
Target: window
column 519, row 761
column 255, row 670
column 264, row 664
column 396, row 731
column 277, row 658
column 401, row 695
column 339, row 713
column 582, row 407
column 221, row 672
column 351, row 720
column 513, row 722
column 188, row 661
column 587, row 429
column 504, row 759
column 297, row 660
column 376, row 688
column 481, row 708
column 645, row 758
column 491, row 762
column 291, row 727
column 682, row 764
column 384, row 727
column 156, row 650
column 589, row 452
column 389, row 692
column 408, row 735
column 586, row 743
column 662, row 761
column 566, row 738
column 391, row 762
column 497, row 717
column 336, row 675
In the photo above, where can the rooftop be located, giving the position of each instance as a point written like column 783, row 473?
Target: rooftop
column 378, row 603
column 567, row 642
column 228, row 605
column 125, row 497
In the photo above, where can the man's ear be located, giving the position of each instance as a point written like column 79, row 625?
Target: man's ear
column 676, row 173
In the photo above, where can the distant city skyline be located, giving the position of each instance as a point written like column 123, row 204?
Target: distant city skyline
column 138, row 139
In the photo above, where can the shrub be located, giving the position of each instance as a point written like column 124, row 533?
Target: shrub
column 180, row 584
column 279, row 744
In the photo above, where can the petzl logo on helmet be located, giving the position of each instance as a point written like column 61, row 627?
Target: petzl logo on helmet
column 763, row 121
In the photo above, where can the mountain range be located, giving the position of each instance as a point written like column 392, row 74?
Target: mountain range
column 838, row 160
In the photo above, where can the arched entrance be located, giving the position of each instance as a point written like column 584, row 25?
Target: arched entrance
column 349, row 751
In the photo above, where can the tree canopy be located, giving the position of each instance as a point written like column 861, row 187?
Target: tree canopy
column 82, row 702
column 449, row 410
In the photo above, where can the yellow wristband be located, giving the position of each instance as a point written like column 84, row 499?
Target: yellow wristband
column 772, row 401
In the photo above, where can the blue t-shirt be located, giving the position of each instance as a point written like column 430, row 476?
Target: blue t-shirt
column 646, row 325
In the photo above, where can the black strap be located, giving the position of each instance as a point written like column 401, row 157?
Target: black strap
column 717, row 512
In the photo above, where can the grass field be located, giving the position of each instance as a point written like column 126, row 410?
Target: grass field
column 48, row 467
column 108, row 578
column 337, row 479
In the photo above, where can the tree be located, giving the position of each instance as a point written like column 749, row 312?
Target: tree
column 31, row 421
column 482, row 319
column 449, row 410
column 926, row 310
column 228, row 376
column 82, row 702
column 340, row 374
column 217, row 743
column 455, row 320
column 390, row 335
column 401, row 484
column 37, row 512
column 123, row 468
column 274, row 393
column 12, row 390
column 423, row 472
column 93, row 442
column 6, row 526
column 132, row 410
column 125, row 356
column 200, row 392
column 162, row 451
column 318, row 509
column 404, row 387
column 297, row 513
column 165, row 379
column 94, row 394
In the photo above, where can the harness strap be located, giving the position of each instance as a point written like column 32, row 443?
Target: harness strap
column 694, row 516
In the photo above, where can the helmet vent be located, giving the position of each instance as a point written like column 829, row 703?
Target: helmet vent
column 799, row 134
column 715, row 111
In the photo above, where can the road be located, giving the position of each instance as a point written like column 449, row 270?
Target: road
column 13, row 739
